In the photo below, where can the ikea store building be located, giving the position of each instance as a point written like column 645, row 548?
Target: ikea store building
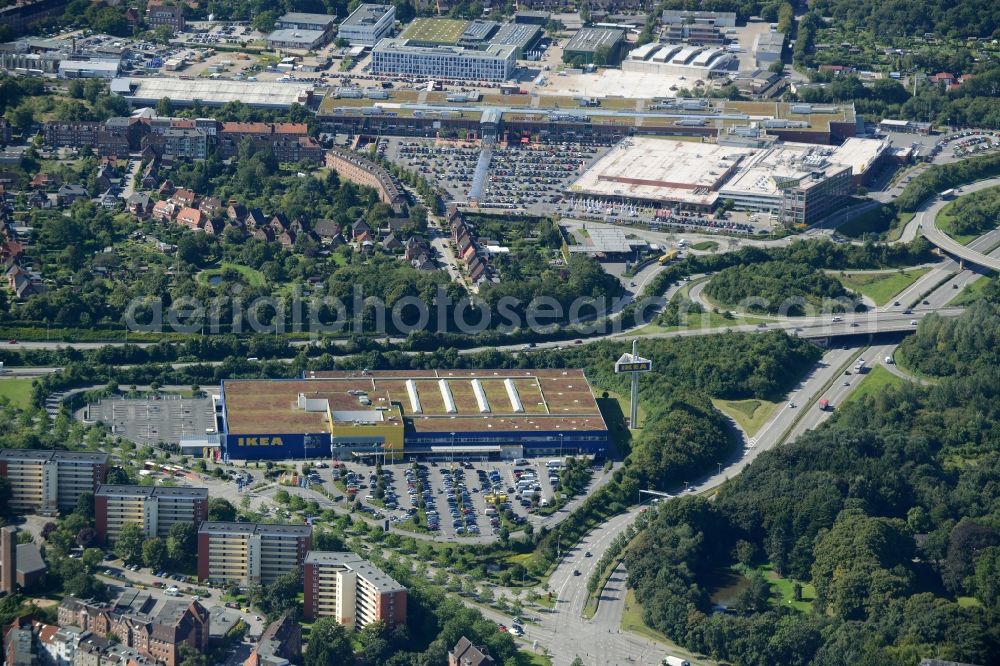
column 397, row 415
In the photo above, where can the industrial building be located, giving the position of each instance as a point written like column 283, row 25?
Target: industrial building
column 522, row 36
column 48, row 481
column 89, row 68
column 154, row 508
column 601, row 46
column 797, row 183
column 305, row 21
column 433, row 414
column 398, row 56
column 720, row 19
column 351, row 589
column 692, row 62
column 767, row 47
column 250, row 553
column 367, row 24
column 147, row 91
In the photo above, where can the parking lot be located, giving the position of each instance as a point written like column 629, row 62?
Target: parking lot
column 528, row 177
column 153, row 420
column 453, row 499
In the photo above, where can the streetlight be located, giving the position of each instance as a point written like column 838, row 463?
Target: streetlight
column 720, row 467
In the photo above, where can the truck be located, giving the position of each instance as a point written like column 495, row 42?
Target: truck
column 888, row 360
column 675, row 661
column 824, row 405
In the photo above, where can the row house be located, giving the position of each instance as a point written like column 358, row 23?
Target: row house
column 466, row 248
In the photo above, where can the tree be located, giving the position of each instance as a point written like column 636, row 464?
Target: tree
column 87, row 537
column 154, row 553
column 117, row 476
column 986, row 580
column 164, row 107
column 329, row 644
column 967, row 540
column 190, row 656
column 85, row 505
column 264, row 21
column 221, row 510
column 182, row 543
column 129, row 543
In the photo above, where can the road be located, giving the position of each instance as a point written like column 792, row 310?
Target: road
column 926, row 219
column 566, row 633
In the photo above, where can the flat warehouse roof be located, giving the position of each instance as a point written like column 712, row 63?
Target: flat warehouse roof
column 252, row 93
column 430, row 401
column 591, row 39
column 661, row 170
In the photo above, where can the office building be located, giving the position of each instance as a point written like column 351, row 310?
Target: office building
column 48, row 481
column 154, row 508
column 477, row 32
column 250, row 553
column 172, row 16
column 349, row 588
column 397, row 56
column 368, row 24
column 598, row 46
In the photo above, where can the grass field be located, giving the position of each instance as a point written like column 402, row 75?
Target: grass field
column 18, row 391
column 705, row 246
column 946, row 222
column 435, row 30
column 632, row 621
column 253, row 277
column 783, row 590
column 876, row 381
column 529, row 659
column 749, row 414
column 880, row 287
column 971, row 293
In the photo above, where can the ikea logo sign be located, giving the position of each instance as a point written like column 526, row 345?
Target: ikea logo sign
column 259, row 441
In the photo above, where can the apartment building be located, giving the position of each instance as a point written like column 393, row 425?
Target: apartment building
column 367, row 24
column 155, row 508
column 48, row 481
column 248, row 553
column 288, row 141
column 154, row 628
column 78, row 134
column 357, row 169
column 398, row 56
column 349, row 588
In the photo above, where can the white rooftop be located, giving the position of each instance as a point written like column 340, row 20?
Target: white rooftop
column 665, row 170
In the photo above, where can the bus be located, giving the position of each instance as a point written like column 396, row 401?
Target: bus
column 948, row 194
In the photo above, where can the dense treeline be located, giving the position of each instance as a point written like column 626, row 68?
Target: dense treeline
column 975, row 213
column 811, row 253
column 900, row 18
column 941, row 177
column 778, row 287
column 890, row 510
column 957, row 345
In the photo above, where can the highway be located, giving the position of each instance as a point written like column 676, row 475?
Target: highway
column 566, row 633
column 926, row 218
